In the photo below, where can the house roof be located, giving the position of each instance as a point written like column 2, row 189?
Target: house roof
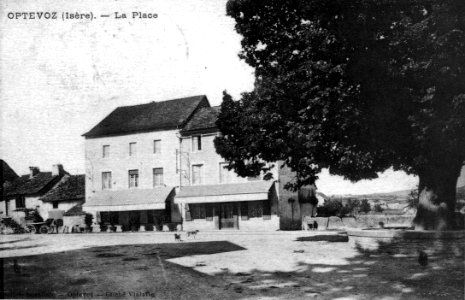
column 203, row 120
column 70, row 187
column 251, row 187
column 7, row 173
column 25, row 185
column 151, row 116
column 75, row 211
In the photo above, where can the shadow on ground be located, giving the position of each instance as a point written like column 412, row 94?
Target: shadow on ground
column 129, row 271
column 374, row 269
column 14, row 241
column 378, row 270
column 324, row 238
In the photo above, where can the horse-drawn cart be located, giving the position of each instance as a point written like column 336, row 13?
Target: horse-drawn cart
column 49, row 226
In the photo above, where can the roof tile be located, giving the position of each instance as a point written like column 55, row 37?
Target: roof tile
column 71, row 187
column 25, row 185
column 151, row 116
column 204, row 119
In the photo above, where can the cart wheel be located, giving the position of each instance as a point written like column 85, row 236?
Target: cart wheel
column 43, row 229
column 32, row 229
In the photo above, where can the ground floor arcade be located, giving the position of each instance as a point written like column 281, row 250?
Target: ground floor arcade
column 243, row 206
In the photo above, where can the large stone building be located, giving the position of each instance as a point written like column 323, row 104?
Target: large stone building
column 156, row 163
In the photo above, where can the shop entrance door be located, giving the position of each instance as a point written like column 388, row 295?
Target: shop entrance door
column 228, row 216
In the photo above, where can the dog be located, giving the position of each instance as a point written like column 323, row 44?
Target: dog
column 310, row 226
column 177, row 237
column 193, row 233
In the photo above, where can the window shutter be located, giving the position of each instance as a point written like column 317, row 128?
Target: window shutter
column 244, row 211
column 266, row 210
column 209, row 211
column 188, row 213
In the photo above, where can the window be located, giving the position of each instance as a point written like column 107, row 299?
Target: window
column 106, row 180
column 255, row 209
column 244, row 211
column 197, row 174
column 106, row 151
column 197, row 211
column 157, row 176
column 226, row 176
column 55, row 204
column 109, row 217
column 209, row 211
column 132, row 149
column 133, row 178
column 157, row 146
column 196, row 143
column 20, row 202
column 266, row 210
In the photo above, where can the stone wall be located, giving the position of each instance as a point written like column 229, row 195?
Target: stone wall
column 252, row 224
column 361, row 221
column 72, row 221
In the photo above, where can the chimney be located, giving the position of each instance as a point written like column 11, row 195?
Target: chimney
column 57, row 170
column 33, row 171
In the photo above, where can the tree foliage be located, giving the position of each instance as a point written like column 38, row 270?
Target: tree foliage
column 356, row 88
column 353, row 86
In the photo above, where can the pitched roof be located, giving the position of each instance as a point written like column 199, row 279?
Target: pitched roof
column 75, row 211
column 70, row 187
column 7, row 173
column 151, row 116
column 203, row 120
column 25, row 185
column 252, row 187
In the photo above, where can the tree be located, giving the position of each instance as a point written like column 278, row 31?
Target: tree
column 355, row 87
column 365, row 206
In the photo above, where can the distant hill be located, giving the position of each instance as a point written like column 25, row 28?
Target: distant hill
column 392, row 196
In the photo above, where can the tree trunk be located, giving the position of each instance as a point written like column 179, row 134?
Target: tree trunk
column 437, row 198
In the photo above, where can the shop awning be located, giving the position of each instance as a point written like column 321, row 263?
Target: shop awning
column 247, row 191
column 124, row 200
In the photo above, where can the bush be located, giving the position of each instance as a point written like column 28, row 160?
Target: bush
column 378, row 208
column 365, row 206
column 334, row 207
column 331, row 207
column 350, row 208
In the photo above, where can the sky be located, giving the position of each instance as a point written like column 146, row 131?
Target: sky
column 59, row 78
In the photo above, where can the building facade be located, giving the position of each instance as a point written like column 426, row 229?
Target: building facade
column 211, row 196
column 156, row 163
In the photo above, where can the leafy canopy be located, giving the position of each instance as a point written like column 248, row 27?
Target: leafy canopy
column 354, row 86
